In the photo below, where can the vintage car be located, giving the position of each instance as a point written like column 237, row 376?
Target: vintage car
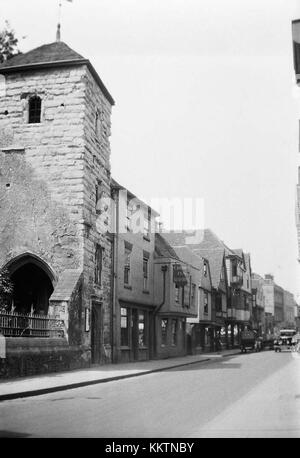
column 285, row 341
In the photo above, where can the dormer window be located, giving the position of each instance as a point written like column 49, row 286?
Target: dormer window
column 34, row 110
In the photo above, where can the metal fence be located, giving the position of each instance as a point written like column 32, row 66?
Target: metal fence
column 13, row 324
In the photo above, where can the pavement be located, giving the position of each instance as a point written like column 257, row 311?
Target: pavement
column 60, row 381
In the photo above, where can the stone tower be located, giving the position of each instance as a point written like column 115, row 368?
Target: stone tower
column 54, row 173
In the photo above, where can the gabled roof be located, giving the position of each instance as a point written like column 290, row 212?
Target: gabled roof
column 163, row 248
column 215, row 257
column 189, row 256
column 56, row 54
column 202, row 238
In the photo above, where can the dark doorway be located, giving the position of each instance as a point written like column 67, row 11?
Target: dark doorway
column 32, row 289
column 96, row 333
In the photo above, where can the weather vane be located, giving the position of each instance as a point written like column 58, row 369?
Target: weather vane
column 59, row 19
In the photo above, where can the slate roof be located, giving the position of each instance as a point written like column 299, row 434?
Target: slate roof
column 53, row 52
column 56, row 54
column 163, row 248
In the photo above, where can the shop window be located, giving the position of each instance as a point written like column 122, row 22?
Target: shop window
column 164, row 328
column 174, row 332
column 98, row 264
column 124, row 327
column 34, row 110
column 142, row 336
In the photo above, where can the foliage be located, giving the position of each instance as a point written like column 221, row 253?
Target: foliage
column 6, row 288
column 8, row 43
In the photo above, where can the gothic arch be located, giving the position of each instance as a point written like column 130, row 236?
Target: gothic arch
column 33, row 281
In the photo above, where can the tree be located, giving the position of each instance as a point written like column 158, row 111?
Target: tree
column 8, row 43
column 6, row 289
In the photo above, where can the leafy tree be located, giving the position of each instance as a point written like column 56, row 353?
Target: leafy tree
column 6, row 289
column 8, row 43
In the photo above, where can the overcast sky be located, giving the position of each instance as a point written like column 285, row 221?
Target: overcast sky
column 206, row 107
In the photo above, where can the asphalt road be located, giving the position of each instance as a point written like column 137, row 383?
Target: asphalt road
column 252, row 395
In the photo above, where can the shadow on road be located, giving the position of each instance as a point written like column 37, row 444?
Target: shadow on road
column 215, row 363
column 9, row 434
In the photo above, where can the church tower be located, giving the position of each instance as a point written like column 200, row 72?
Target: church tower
column 54, row 228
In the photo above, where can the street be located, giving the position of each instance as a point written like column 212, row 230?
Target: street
column 246, row 395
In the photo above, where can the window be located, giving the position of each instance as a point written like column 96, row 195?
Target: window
column 142, row 337
column 98, row 124
column 34, row 110
column 164, row 327
column 218, row 302
column 205, row 269
column 222, row 276
column 185, row 300
column 177, row 289
column 174, row 332
column 205, row 302
column 98, row 264
column 193, row 293
column 98, row 197
column 147, row 223
column 129, row 213
column 145, row 272
column 234, row 269
column 127, row 266
column 124, row 327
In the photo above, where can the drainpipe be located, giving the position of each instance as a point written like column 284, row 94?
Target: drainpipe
column 115, row 242
column 157, row 309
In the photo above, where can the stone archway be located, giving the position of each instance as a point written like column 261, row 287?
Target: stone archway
column 33, row 284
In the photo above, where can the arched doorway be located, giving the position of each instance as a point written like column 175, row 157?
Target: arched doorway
column 32, row 285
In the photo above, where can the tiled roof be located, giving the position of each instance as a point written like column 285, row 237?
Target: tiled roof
column 53, row 52
column 202, row 238
column 215, row 258
column 189, row 256
column 163, row 248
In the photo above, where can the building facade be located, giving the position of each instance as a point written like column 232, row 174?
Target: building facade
column 133, row 273
column 176, row 296
column 55, row 161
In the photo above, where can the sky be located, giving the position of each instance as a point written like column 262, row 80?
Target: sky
column 206, row 107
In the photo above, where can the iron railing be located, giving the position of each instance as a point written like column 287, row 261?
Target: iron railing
column 13, row 324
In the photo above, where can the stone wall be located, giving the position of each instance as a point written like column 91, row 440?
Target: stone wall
column 48, row 177
column 27, row 356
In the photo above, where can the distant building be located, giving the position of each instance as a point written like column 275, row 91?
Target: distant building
column 258, row 304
